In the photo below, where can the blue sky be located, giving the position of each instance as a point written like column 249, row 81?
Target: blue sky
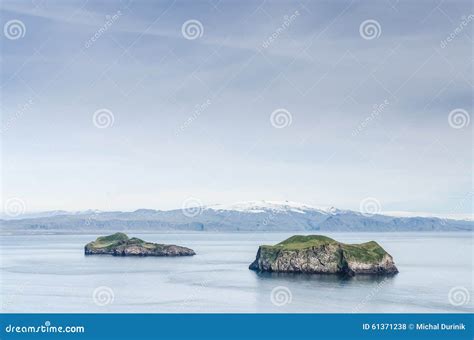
column 192, row 117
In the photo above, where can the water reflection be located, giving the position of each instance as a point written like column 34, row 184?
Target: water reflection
column 325, row 278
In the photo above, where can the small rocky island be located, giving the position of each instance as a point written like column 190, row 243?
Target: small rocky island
column 316, row 254
column 119, row 244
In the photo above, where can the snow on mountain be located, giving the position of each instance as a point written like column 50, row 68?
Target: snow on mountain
column 51, row 213
column 242, row 216
column 264, row 206
column 302, row 208
column 459, row 217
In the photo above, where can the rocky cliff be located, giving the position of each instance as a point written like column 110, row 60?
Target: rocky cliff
column 119, row 244
column 323, row 255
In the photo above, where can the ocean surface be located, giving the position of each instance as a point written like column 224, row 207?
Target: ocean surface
column 49, row 273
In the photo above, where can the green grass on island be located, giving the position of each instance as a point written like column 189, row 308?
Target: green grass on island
column 117, row 237
column 365, row 252
column 114, row 240
column 301, row 241
column 121, row 244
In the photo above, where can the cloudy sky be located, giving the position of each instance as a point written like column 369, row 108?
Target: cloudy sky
column 141, row 104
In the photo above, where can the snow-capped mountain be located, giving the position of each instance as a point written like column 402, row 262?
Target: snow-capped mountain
column 247, row 216
column 264, row 206
column 461, row 217
column 50, row 213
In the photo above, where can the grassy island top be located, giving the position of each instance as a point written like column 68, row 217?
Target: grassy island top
column 301, row 241
column 115, row 240
column 367, row 252
column 117, row 237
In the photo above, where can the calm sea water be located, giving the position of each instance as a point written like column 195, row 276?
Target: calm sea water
column 49, row 273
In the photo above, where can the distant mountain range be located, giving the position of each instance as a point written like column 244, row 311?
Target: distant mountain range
column 245, row 216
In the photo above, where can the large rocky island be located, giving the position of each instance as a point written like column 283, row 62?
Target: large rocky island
column 316, row 254
column 119, row 244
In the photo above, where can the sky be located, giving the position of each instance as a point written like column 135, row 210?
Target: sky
column 120, row 105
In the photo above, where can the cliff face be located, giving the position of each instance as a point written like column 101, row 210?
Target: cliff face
column 119, row 244
column 323, row 255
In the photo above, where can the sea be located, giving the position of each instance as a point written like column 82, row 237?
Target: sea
column 49, row 273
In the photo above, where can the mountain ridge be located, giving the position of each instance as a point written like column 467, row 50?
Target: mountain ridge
column 243, row 216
